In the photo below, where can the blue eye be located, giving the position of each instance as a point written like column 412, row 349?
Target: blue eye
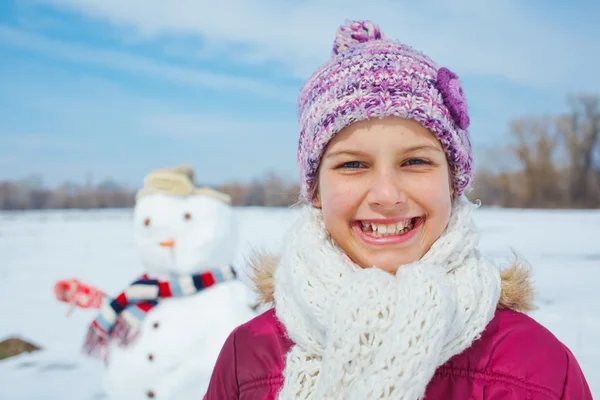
column 351, row 164
column 416, row 161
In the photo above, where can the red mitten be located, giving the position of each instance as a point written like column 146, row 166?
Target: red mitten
column 77, row 293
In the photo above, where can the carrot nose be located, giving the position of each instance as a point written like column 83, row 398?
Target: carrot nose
column 167, row 243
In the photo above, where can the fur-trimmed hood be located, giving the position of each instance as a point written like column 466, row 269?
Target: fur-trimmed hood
column 517, row 291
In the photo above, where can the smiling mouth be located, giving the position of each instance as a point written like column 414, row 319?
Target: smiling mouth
column 387, row 230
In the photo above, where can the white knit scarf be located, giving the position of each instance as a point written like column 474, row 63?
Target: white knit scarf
column 368, row 334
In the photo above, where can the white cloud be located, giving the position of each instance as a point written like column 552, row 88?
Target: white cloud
column 502, row 38
column 140, row 65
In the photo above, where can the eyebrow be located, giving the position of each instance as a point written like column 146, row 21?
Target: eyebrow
column 404, row 151
column 422, row 147
column 345, row 152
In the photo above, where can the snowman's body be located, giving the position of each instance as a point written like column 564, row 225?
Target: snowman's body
column 179, row 339
column 178, row 344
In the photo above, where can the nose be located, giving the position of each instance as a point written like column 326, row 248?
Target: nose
column 167, row 243
column 386, row 190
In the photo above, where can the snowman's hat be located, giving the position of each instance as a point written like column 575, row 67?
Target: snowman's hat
column 178, row 181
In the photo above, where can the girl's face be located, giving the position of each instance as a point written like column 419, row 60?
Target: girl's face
column 385, row 192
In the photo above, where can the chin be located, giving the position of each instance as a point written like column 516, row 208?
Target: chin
column 391, row 264
column 390, row 267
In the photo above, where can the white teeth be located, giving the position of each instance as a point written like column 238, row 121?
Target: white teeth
column 387, row 230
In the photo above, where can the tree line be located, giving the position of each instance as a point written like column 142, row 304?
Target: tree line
column 549, row 162
column 272, row 191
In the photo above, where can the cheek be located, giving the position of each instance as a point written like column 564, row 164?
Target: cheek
column 443, row 209
column 437, row 199
column 337, row 195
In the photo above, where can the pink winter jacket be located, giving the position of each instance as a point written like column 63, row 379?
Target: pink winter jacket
column 514, row 359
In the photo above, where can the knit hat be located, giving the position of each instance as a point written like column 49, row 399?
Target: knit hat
column 369, row 76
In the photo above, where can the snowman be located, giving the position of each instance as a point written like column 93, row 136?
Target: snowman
column 161, row 336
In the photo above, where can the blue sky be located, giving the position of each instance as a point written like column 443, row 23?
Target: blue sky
column 116, row 88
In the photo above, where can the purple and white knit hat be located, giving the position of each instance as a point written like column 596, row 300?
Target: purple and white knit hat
column 368, row 77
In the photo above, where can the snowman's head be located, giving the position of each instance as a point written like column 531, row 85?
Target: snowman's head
column 184, row 234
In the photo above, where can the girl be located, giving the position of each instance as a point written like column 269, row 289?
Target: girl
column 380, row 291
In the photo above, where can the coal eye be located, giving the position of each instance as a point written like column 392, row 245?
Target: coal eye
column 187, row 216
column 147, row 222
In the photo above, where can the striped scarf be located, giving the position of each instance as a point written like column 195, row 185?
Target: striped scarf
column 119, row 318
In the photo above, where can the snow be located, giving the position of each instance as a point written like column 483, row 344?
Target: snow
column 39, row 247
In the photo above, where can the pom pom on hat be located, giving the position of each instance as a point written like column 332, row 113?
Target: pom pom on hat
column 355, row 32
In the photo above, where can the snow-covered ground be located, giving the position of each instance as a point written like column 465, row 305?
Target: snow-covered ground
column 38, row 248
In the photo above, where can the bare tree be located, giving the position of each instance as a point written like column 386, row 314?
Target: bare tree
column 14, row 196
column 535, row 148
column 236, row 191
column 580, row 130
column 255, row 195
column 278, row 193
